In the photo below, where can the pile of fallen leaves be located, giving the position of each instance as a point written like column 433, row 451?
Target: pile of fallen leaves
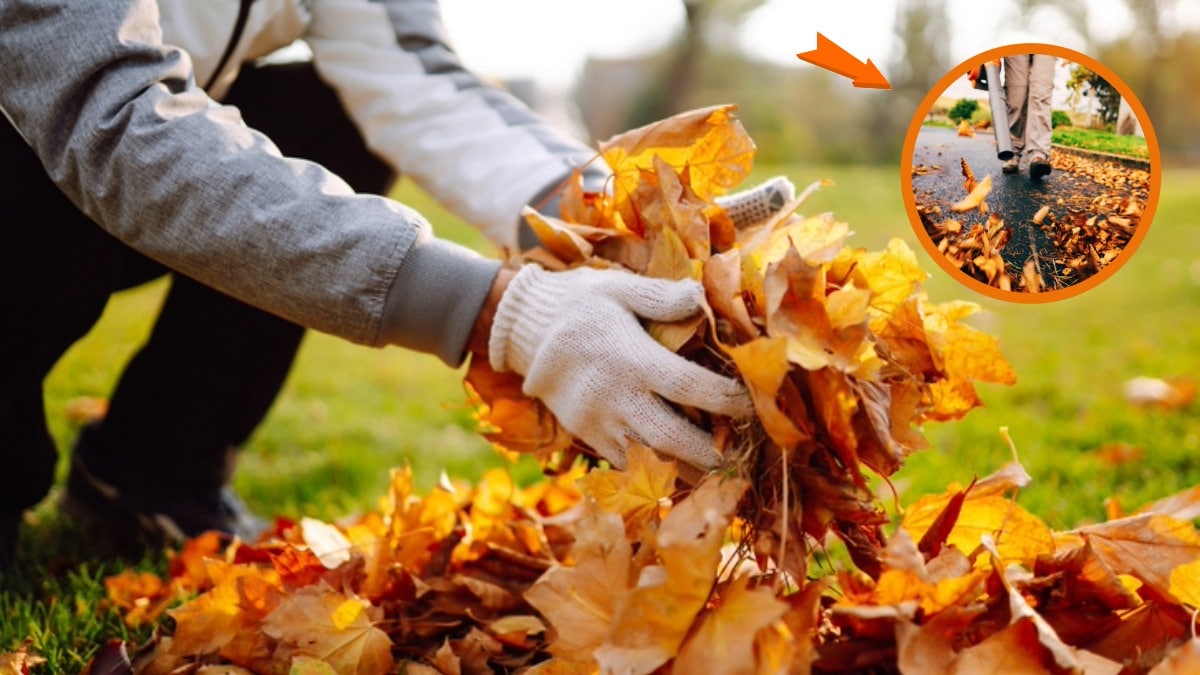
column 435, row 583
column 974, row 583
column 622, row 572
column 644, row 570
column 974, row 248
column 1087, row 237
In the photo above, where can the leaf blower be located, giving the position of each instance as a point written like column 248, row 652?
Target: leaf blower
column 988, row 77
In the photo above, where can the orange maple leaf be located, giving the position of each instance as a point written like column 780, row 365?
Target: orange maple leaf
column 224, row 618
column 638, row 494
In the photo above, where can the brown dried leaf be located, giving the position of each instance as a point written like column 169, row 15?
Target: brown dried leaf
column 580, row 600
column 1148, row 546
column 723, row 287
column 723, row 641
column 333, row 627
column 974, row 200
column 656, row 615
column 557, row 237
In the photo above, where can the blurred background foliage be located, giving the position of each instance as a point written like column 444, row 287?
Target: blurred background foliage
column 802, row 112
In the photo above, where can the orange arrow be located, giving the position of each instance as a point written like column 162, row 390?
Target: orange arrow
column 830, row 56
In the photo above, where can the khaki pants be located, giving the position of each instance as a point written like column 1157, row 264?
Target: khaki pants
column 1028, row 85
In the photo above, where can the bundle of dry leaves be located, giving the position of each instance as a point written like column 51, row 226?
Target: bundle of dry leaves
column 642, row 571
column 840, row 348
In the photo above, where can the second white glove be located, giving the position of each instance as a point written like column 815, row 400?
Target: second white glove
column 758, row 204
column 576, row 338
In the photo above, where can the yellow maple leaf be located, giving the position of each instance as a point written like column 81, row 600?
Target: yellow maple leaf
column 493, row 518
column 415, row 524
column 892, row 275
column 1020, row 536
column 965, row 355
column 512, row 421
column 555, row 494
column 709, row 143
column 818, row 240
column 639, row 493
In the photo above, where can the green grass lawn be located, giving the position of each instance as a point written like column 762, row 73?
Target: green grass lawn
column 349, row 413
column 1103, row 141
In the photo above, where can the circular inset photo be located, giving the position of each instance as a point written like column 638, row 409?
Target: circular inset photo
column 1030, row 173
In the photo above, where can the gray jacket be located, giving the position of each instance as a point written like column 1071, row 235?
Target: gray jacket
column 121, row 127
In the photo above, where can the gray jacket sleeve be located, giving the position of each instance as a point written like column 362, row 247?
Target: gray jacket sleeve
column 475, row 148
column 121, row 128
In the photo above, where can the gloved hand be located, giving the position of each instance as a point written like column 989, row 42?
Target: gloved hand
column 756, row 205
column 576, row 338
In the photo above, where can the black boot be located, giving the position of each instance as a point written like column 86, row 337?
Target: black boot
column 132, row 510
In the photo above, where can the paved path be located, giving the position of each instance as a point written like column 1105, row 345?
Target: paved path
column 1014, row 197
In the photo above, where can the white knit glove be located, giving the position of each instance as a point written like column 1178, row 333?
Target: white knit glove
column 575, row 337
column 756, row 205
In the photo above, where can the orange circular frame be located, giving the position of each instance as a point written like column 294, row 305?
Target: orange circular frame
column 910, row 204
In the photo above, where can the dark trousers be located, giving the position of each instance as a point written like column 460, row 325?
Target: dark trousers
column 212, row 366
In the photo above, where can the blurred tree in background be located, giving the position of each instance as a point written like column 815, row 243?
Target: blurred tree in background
column 1083, row 82
column 707, row 24
column 802, row 113
column 1157, row 60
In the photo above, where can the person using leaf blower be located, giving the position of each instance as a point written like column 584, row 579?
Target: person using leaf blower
column 1022, row 116
column 117, row 167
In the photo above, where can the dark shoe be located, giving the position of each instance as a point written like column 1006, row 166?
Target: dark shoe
column 133, row 515
column 10, row 526
column 1039, row 167
column 1011, row 165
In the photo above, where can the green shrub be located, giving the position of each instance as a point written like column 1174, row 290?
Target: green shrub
column 1060, row 118
column 963, row 109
